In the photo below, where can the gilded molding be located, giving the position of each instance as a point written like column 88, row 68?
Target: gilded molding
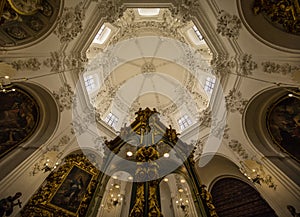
column 206, row 196
column 42, row 204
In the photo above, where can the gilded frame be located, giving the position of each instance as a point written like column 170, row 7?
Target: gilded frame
column 45, row 203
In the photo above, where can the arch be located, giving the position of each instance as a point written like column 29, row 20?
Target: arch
column 48, row 122
column 177, row 189
column 256, row 131
column 117, row 196
column 33, row 28
column 233, row 197
column 264, row 31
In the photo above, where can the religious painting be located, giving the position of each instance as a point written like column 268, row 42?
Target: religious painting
column 66, row 192
column 19, row 116
column 283, row 122
column 71, row 192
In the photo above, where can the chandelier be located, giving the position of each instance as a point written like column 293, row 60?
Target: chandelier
column 114, row 197
column 182, row 196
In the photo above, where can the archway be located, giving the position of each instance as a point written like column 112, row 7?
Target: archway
column 233, row 197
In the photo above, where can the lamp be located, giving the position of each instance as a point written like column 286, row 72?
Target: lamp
column 6, row 72
column 254, row 172
column 49, row 161
column 294, row 93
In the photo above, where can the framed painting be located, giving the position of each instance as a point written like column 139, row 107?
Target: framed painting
column 283, row 123
column 67, row 192
column 72, row 190
column 19, row 116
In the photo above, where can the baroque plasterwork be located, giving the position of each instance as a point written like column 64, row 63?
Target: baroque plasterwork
column 111, row 9
column 70, row 23
column 222, row 65
column 186, row 9
column 58, row 62
column 237, row 147
column 31, row 64
column 55, row 61
column 220, row 130
column 205, row 117
column 198, row 150
column 235, row 102
column 64, row 97
column 106, row 96
column 247, row 65
column 228, row 25
column 130, row 26
column 82, row 120
column 276, row 68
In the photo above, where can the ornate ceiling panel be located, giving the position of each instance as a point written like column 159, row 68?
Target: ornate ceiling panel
column 26, row 22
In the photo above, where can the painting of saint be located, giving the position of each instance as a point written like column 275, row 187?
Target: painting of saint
column 19, row 116
column 71, row 192
column 283, row 124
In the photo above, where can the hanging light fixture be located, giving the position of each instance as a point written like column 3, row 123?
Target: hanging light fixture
column 6, row 72
column 114, row 197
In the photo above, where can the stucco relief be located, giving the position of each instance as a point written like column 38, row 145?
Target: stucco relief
column 222, row 65
column 31, row 64
column 70, row 23
column 276, row 68
column 228, row 25
column 247, row 65
column 64, row 97
column 235, row 102
column 237, row 147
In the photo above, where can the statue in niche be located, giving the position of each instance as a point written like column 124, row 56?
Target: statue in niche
column 7, row 204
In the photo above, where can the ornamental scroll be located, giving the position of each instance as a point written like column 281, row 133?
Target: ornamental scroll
column 284, row 14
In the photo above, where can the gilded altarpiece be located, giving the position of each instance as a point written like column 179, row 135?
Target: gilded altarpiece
column 148, row 140
column 66, row 192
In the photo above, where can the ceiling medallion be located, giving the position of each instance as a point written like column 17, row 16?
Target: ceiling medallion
column 148, row 68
